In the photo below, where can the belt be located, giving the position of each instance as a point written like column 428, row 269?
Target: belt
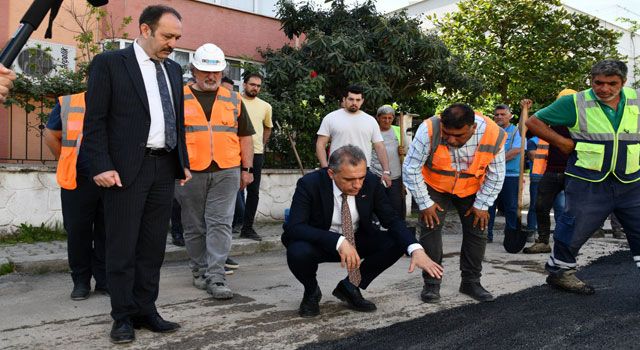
column 155, row 152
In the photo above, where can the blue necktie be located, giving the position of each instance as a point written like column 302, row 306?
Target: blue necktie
column 170, row 134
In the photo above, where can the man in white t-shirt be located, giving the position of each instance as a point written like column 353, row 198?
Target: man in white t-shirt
column 350, row 125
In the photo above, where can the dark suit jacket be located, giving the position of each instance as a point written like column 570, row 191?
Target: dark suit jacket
column 312, row 209
column 117, row 119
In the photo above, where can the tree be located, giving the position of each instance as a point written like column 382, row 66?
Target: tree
column 390, row 56
column 634, row 27
column 525, row 48
column 94, row 31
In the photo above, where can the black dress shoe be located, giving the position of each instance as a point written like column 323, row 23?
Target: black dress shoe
column 122, row 332
column 310, row 305
column 350, row 294
column 154, row 323
column 476, row 291
column 430, row 293
column 250, row 233
column 80, row 291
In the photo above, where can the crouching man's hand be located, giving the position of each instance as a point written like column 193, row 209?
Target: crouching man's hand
column 420, row 259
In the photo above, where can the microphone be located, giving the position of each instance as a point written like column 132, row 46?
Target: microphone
column 98, row 3
column 30, row 22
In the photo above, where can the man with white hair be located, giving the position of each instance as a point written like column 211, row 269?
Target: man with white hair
column 218, row 134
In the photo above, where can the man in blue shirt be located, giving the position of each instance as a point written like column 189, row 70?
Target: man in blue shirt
column 507, row 200
column 83, row 218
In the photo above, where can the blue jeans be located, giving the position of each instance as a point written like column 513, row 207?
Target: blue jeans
column 587, row 205
column 507, row 201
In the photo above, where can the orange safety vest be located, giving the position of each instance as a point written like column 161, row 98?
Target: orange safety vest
column 443, row 177
column 216, row 140
column 72, row 108
column 540, row 157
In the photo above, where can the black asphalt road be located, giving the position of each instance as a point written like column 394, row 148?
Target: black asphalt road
column 536, row 318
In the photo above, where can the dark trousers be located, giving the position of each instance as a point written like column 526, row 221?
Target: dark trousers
column 238, row 213
column 507, row 201
column 379, row 251
column 83, row 217
column 136, row 219
column 253, row 193
column 396, row 197
column 176, row 218
column 587, row 205
column 534, row 182
column 549, row 196
column 474, row 240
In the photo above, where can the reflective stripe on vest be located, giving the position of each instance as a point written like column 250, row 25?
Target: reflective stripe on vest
column 601, row 150
column 72, row 109
column 540, row 158
column 217, row 139
column 440, row 174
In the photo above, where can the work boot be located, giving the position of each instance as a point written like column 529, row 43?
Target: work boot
column 567, row 281
column 537, row 248
column 430, row 293
column 619, row 234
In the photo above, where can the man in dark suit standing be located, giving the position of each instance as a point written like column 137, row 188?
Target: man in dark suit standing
column 134, row 136
column 330, row 221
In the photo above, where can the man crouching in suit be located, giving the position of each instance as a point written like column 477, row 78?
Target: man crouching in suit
column 330, row 209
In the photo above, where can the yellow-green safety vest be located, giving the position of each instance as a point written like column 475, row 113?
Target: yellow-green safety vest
column 600, row 150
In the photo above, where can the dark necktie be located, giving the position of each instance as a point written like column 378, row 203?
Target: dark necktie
column 170, row 134
column 347, row 231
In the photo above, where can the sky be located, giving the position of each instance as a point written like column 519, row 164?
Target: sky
column 608, row 10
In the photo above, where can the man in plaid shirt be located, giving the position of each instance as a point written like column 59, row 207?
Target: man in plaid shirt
column 465, row 170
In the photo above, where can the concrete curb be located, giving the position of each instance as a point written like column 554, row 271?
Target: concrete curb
column 47, row 257
column 58, row 262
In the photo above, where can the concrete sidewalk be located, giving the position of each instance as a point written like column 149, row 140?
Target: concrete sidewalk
column 45, row 257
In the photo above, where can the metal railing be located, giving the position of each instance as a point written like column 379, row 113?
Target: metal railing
column 23, row 140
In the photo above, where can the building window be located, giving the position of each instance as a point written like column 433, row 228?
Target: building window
column 183, row 57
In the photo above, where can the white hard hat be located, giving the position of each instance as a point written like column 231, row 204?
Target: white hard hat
column 209, row 58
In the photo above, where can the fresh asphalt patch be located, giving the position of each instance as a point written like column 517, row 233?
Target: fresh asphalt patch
column 535, row 318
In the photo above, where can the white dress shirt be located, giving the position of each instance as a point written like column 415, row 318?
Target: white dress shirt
column 148, row 70
column 336, row 219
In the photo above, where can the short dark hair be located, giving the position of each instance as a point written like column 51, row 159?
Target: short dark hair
column 354, row 89
column 151, row 15
column 609, row 68
column 347, row 153
column 457, row 116
column 226, row 79
column 252, row 75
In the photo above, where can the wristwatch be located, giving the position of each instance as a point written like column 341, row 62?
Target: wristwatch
column 386, row 172
column 249, row 170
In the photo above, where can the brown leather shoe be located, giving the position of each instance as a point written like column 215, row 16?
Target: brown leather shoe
column 538, row 248
column 568, row 282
